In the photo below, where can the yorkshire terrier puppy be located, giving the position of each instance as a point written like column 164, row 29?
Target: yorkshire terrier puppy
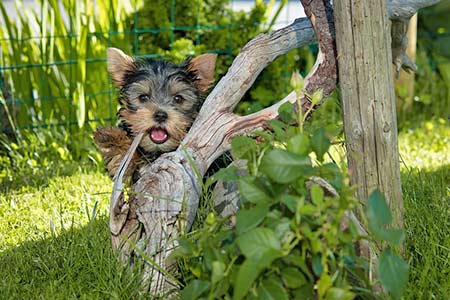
column 156, row 97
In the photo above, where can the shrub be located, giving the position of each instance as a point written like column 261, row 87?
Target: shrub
column 287, row 242
column 212, row 26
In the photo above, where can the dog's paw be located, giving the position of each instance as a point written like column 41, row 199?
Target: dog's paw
column 112, row 139
column 113, row 144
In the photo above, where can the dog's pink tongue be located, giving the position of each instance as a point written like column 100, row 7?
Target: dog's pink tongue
column 159, row 135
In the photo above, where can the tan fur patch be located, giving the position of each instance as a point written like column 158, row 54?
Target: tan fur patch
column 204, row 65
column 118, row 64
column 142, row 120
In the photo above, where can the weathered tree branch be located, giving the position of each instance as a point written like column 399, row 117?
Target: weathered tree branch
column 164, row 201
column 400, row 12
column 324, row 72
column 399, row 30
column 405, row 9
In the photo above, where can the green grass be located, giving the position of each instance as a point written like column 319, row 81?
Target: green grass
column 427, row 224
column 426, row 189
column 55, row 244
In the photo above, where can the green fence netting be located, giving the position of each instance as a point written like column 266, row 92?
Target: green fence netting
column 52, row 63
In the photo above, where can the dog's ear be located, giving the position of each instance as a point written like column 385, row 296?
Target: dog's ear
column 203, row 67
column 118, row 65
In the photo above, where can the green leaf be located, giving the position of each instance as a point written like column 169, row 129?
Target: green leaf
column 227, row 174
column 250, row 270
column 394, row 237
column 243, row 147
column 194, row 289
column 290, row 202
column 286, row 112
column 317, row 97
column 218, row 270
column 335, row 293
column 293, row 278
column 278, row 128
column 320, row 143
column 378, row 216
column 299, row 144
column 255, row 243
column 306, row 292
column 331, row 172
column 317, row 195
column 263, row 134
column 323, row 284
column 378, row 211
column 308, row 209
column 253, row 265
column 271, row 289
column 250, row 218
column 393, row 273
column 317, row 265
column 284, row 167
column 246, row 275
column 249, row 189
column 185, row 246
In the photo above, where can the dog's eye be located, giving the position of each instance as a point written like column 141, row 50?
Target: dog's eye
column 144, row 98
column 178, row 99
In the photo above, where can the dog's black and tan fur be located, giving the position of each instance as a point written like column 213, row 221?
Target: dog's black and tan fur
column 156, row 97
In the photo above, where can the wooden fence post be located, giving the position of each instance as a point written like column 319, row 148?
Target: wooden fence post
column 366, row 81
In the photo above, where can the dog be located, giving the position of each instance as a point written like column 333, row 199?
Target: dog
column 159, row 98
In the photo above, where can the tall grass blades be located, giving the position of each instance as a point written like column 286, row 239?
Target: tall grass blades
column 53, row 59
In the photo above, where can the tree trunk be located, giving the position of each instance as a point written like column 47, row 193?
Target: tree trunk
column 366, row 79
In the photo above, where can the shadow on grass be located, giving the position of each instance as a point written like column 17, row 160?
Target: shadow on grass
column 427, row 225
column 77, row 264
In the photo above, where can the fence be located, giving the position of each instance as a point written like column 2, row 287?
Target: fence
column 52, row 64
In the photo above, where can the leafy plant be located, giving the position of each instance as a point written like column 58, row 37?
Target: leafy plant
column 287, row 242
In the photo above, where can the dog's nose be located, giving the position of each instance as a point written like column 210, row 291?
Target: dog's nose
column 160, row 116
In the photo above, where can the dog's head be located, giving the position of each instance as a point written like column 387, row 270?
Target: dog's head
column 158, row 97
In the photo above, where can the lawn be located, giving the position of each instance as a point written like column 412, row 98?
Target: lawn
column 54, row 238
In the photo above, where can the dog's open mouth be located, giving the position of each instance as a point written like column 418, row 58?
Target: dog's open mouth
column 158, row 135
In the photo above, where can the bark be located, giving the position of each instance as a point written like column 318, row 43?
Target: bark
column 400, row 12
column 405, row 9
column 368, row 104
column 164, row 201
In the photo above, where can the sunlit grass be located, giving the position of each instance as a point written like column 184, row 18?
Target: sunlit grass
column 426, row 146
column 32, row 213
column 55, row 243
